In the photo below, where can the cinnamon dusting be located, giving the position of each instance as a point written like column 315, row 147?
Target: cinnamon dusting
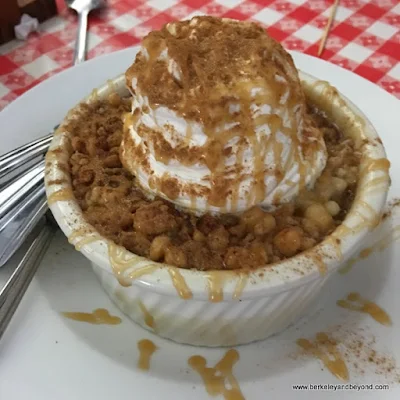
column 206, row 65
column 325, row 348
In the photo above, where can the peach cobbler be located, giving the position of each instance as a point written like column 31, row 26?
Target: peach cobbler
column 217, row 161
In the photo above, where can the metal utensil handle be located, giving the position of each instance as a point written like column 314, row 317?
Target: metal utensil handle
column 16, row 226
column 80, row 47
column 15, row 288
column 16, row 191
column 21, row 155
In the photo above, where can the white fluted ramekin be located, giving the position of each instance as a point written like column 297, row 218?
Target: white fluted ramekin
column 224, row 308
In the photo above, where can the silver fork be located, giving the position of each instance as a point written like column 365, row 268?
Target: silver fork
column 22, row 200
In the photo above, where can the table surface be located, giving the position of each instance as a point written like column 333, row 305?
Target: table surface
column 364, row 38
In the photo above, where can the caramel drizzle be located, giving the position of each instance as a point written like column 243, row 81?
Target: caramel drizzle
column 53, row 155
column 262, row 147
column 215, row 283
column 325, row 349
column 380, row 245
column 355, row 302
column 79, row 232
column 148, row 318
column 375, row 165
column 215, row 378
column 120, row 264
column 235, row 191
column 129, row 120
column 60, row 195
column 376, row 183
column 94, row 96
column 215, row 279
column 86, row 239
column 137, row 273
column 317, row 258
column 193, row 202
column 369, row 217
column 100, row 316
column 180, row 284
column 189, row 134
column 111, row 85
column 146, row 349
column 240, row 285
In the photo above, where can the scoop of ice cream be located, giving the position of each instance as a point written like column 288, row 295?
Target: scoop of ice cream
column 219, row 120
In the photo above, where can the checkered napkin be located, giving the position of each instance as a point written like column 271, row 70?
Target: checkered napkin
column 364, row 38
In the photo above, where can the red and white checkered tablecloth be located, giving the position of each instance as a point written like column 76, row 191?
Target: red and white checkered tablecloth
column 364, row 38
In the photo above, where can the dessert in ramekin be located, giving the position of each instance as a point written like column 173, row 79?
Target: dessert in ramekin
column 228, row 196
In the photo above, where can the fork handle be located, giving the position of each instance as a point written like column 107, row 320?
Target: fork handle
column 21, row 155
column 80, row 47
column 12, row 293
column 20, row 187
column 16, row 226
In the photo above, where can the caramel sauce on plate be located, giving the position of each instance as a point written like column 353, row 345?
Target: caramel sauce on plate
column 365, row 253
column 325, row 349
column 348, row 267
column 216, row 378
column 146, row 350
column 355, row 302
column 97, row 317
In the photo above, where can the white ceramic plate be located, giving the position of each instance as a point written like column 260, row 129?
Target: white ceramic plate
column 45, row 356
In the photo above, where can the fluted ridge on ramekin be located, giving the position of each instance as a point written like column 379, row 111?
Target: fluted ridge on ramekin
column 233, row 323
